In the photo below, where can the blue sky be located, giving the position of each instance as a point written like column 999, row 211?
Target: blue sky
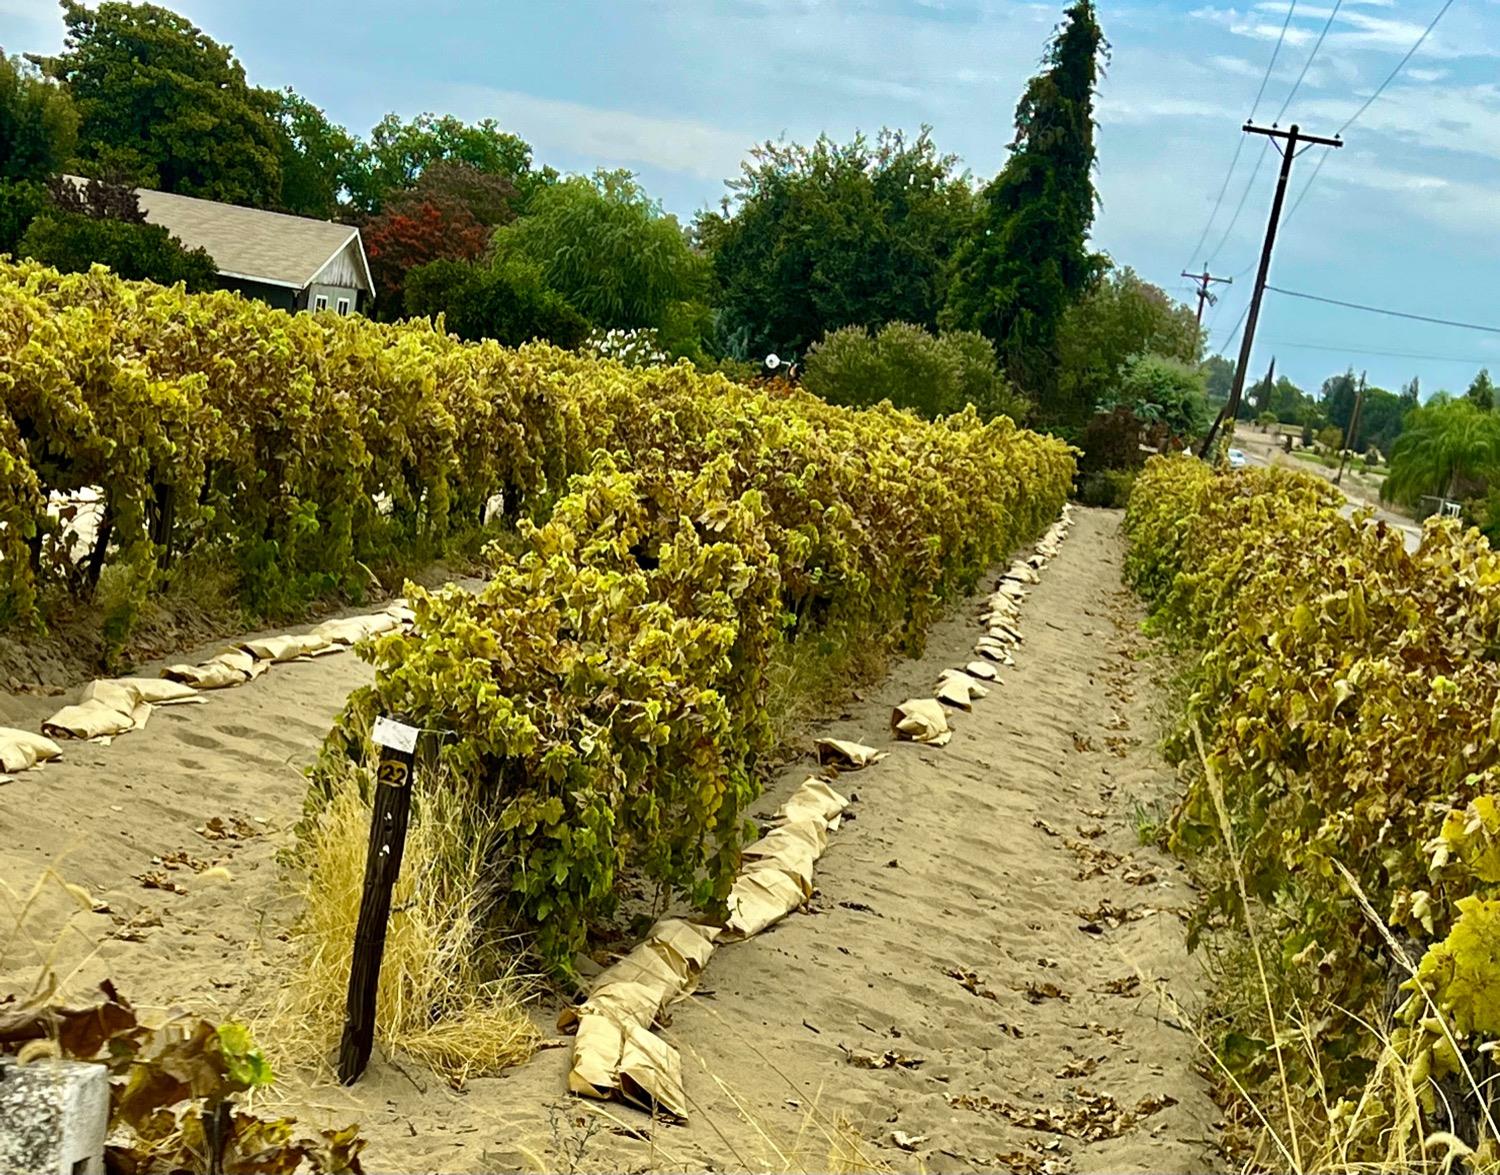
column 1404, row 216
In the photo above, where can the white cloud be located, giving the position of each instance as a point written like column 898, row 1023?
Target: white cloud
column 1118, row 109
column 613, row 137
column 1351, row 29
column 1462, row 119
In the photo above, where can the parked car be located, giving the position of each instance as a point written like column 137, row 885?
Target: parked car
column 1236, row 458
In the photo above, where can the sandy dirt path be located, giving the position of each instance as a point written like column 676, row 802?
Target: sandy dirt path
column 989, row 913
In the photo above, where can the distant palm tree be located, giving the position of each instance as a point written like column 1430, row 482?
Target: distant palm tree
column 1442, row 447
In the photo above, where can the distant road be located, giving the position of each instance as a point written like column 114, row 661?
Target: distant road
column 1259, row 451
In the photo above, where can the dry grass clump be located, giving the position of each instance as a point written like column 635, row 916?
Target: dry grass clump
column 1385, row 1130
column 449, row 997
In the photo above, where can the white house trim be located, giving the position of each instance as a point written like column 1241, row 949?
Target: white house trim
column 364, row 263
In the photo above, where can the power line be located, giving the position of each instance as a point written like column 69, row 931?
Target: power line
column 1240, row 146
column 1306, row 65
column 1368, row 102
column 1235, row 329
column 1493, row 330
column 1240, row 207
column 1219, row 201
column 1400, row 65
column 1344, row 348
column 1259, row 94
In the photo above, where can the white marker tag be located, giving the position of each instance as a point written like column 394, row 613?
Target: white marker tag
column 394, row 736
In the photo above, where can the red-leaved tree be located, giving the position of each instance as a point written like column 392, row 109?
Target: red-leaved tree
column 412, row 232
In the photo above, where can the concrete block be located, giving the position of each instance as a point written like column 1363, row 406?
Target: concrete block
column 53, row 1117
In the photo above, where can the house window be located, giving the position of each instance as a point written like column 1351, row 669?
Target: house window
column 343, row 305
column 320, row 302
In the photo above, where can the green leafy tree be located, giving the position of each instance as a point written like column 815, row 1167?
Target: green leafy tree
column 398, row 152
column 814, row 238
column 1482, row 390
column 1382, row 418
column 1159, row 389
column 20, row 202
column 1029, row 259
column 1412, row 393
column 934, row 375
column 509, row 303
column 318, row 157
column 38, row 123
column 608, row 249
column 1338, row 396
column 1447, row 447
column 38, row 133
column 163, row 105
column 1219, row 378
column 1120, row 317
column 102, row 222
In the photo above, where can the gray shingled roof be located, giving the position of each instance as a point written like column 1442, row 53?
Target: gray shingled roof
column 269, row 247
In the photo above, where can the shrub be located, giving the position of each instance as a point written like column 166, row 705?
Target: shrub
column 72, row 242
column 1331, row 439
column 934, row 375
column 508, row 303
column 1164, row 391
column 20, row 201
column 1109, row 488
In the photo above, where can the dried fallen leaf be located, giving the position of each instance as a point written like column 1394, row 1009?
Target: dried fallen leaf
column 890, row 1059
column 971, row 982
column 159, row 880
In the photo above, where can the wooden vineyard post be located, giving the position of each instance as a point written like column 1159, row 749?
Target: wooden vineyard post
column 392, row 810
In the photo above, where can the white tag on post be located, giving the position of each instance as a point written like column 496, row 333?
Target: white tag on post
column 394, row 736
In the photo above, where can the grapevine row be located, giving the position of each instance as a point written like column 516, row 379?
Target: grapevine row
column 601, row 703
column 1348, row 703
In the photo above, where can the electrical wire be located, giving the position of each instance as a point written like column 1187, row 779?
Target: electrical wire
column 1240, row 146
column 1306, row 65
column 1368, row 102
column 1234, row 330
column 1400, row 65
column 1358, row 350
column 1276, row 52
column 1219, row 201
column 1493, row 330
column 1245, row 195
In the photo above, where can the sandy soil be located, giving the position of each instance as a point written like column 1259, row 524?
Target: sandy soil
column 990, row 913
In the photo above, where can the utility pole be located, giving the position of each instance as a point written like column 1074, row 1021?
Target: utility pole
column 1352, row 432
column 1293, row 135
column 1204, row 295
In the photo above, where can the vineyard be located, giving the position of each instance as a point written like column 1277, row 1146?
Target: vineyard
column 298, row 449
column 601, row 703
column 662, row 538
column 1343, row 737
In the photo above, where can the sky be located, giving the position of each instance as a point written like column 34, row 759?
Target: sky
column 1403, row 216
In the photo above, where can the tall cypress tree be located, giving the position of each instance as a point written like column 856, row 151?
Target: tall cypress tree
column 1030, row 258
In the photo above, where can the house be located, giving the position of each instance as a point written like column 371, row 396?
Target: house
column 292, row 262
